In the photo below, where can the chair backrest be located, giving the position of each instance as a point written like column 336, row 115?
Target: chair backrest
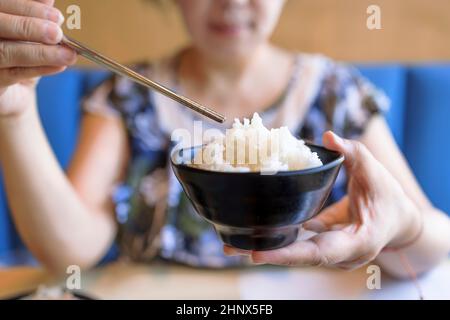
column 427, row 130
column 392, row 80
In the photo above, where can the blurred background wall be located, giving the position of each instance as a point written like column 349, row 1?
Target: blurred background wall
column 412, row 30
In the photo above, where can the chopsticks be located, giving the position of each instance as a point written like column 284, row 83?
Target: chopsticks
column 138, row 78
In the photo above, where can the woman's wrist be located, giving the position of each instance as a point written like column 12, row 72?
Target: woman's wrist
column 410, row 226
column 18, row 119
column 18, row 103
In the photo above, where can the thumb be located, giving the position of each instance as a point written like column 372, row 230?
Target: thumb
column 357, row 156
column 334, row 214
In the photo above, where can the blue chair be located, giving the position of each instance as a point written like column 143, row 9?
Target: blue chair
column 427, row 128
column 418, row 118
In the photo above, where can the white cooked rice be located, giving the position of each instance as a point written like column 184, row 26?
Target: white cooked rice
column 251, row 147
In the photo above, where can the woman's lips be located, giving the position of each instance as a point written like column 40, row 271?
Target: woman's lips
column 227, row 29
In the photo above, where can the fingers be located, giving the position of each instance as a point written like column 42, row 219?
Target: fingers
column 34, row 9
column 328, row 248
column 29, row 34
column 335, row 214
column 297, row 254
column 358, row 159
column 29, row 29
column 34, row 21
column 230, row 251
column 20, row 54
column 353, row 151
column 47, row 2
column 14, row 75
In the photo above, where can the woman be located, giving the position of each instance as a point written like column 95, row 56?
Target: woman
column 120, row 170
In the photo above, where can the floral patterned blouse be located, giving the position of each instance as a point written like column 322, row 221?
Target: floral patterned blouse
column 155, row 217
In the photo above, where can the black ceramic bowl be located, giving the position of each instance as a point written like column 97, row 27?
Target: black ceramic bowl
column 252, row 211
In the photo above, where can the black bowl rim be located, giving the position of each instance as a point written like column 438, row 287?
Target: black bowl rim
column 324, row 167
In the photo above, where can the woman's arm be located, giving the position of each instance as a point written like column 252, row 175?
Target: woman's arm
column 434, row 243
column 62, row 221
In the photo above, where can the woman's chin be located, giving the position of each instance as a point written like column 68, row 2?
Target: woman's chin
column 230, row 53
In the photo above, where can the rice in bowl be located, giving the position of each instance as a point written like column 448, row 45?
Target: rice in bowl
column 251, row 147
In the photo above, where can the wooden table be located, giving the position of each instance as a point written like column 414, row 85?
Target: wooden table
column 161, row 281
